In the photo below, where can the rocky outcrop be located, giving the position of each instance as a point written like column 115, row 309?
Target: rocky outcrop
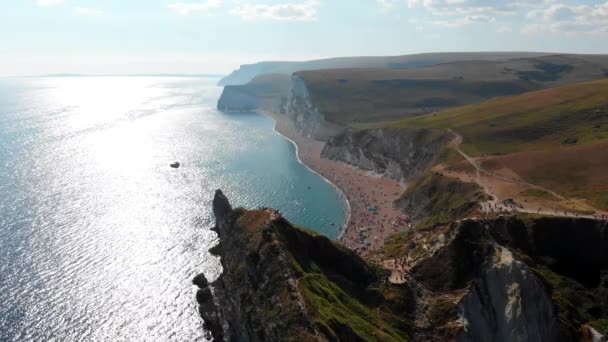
column 508, row 302
column 470, row 280
column 497, row 281
column 397, row 153
column 282, row 283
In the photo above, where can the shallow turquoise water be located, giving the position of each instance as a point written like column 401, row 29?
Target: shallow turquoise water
column 99, row 237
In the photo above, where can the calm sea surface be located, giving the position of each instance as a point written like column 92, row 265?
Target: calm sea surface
column 99, row 237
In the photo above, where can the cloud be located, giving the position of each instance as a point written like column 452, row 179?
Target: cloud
column 386, row 4
column 504, row 29
column 88, row 11
column 470, row 19
column 563, row 18
column 49, row 3
column 301, row 11
column 187, row 8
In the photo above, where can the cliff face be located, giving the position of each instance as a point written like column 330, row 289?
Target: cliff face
column 397, row 153
column 282, row 283
column 267, row 92
column 235, row 98
column 472, row 280
column 497, row 281
column 304, row 115
column 508, row 302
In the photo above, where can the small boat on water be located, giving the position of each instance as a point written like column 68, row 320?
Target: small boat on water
column 175, row 165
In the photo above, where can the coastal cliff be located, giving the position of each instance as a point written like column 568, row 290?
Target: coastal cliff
column 284, row 283
column 509, row 279
column 304, row 115
column 282, row 95
column 266, row 92
column 397, row 153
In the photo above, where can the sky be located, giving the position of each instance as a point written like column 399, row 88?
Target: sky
column 216, row 36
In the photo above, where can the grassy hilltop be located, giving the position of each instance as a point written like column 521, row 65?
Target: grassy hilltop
column 347, row 96
column 555, row 138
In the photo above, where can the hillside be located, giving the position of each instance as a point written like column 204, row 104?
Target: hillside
column 468, row 281
column 555, row 139
column 547, row 119
column 347, row 96
column 249, row 71
column 323, row 101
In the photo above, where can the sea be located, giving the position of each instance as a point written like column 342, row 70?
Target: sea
column 99, row 237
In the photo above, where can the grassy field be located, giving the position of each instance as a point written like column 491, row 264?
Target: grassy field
column 556, row 138
column 542, row 120
column 347, row 96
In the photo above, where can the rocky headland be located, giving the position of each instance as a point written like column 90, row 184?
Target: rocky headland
column 449, row 236
column 523, row 278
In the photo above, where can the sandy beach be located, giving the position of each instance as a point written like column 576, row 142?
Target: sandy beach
column 370, row 196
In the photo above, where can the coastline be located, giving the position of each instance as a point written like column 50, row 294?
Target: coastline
column 338, row 189
column 369, row 197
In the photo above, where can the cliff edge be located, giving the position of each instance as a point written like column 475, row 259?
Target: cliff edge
column 523, row 278
column 281, row 282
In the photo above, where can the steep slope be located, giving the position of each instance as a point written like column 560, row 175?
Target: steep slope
column 248, row 72
column 400, row 154
column 522, row 278
column 283, row 283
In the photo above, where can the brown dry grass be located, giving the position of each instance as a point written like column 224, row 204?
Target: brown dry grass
column 575, row 172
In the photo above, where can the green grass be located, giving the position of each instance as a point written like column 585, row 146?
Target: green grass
column 447, row 199
column 532, row 121
column 538, row 193
column 601, row 325
column 334, row 309
column 574, row 302
column 449, row 156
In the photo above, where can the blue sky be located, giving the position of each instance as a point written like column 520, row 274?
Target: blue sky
column 198, row 36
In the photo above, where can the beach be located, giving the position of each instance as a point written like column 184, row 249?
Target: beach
column 372, row 217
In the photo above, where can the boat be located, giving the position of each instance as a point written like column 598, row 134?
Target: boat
column 175, row 165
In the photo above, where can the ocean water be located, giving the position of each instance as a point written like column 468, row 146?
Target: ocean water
column 99, row 237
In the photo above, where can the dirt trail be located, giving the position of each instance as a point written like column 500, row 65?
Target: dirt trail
column 494, row 205
column 458, row 141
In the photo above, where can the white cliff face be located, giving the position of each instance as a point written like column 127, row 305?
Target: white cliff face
column 304, row 115
column 399, row 154
column 508, row 303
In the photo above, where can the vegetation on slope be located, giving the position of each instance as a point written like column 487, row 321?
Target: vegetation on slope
column 437, row 199
column 342, row 293
column 347, row 96
column 554, row 138
column 340, row 290
column 546, row 119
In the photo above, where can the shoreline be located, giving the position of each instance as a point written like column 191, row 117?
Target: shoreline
column 340, row 191
column 369, row 197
